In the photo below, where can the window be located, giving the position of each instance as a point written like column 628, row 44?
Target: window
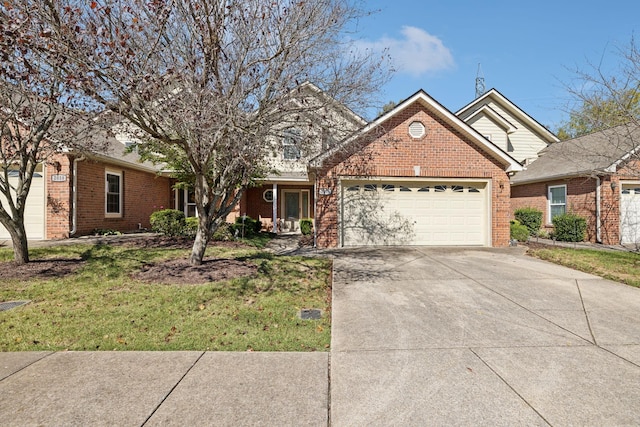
column 290, row 144
column 370, row 187
column 457, row 188
column 113, row 195
column 557, row 201
column 440, row 188
column 388, row 187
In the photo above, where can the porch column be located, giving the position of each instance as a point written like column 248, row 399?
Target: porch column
column 274, row 207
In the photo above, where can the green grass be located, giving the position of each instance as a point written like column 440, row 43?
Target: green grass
column 619, row 266
column 100, row 307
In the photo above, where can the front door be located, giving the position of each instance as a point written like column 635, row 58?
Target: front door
column 295, row 206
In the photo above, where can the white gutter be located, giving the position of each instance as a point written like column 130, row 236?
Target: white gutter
column 74, row 202
column 598, row 202
column 315, row 212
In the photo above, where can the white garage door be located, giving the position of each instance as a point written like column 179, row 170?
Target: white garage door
column 630, row 213
column 414, row 213
column 34, row 212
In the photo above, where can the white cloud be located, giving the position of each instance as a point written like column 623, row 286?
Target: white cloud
column 417, row 53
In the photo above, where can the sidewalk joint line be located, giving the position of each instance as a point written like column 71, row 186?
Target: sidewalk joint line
column 172, row 389
column 510, row 386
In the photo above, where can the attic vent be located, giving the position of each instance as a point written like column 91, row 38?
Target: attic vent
column 417, row 129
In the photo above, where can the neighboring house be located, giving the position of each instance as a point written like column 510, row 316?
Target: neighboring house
column 507, row 126
column 77, row 194
column 596, row 176
column 417, row 175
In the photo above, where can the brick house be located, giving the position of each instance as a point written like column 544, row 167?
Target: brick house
column 417, row 175
column 596, row 176
column 76, row 194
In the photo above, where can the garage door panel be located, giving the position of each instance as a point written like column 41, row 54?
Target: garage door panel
column 630, row 214
column 34, row 211
column 446, row 214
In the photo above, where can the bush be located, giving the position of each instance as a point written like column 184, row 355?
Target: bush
column 223, row 233
column 306, row 226
column 518, row 231
column 569, row 228
column 169, row 222
column 245, row 226
column 530, row 218
column 190, row 227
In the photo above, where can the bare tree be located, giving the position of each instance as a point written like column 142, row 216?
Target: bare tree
column 38, row 114
column 205, row 85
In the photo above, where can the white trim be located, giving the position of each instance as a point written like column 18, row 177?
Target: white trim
column 549, row 219
column 119, row 174
column 495, row 117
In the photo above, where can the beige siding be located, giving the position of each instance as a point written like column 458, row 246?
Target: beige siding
column 490, row 130
column 526, row 143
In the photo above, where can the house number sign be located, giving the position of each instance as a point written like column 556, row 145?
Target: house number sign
column 324, row 191
column 58, row 178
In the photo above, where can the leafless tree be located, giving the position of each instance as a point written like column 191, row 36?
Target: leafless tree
column 605, row 102
column 207, row 85
column 38, row 113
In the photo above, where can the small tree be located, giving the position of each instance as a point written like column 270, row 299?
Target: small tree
column 38, row 114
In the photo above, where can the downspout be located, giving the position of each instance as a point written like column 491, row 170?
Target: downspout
column 315, row 211
column 598, row 202
column 74, row 197
column 274, row 208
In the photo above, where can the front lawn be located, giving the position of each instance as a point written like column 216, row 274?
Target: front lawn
column 87, row 297
column 614, row 265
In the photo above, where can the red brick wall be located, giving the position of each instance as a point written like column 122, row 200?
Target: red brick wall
column 443, row 152
column 581, row 200
column 143, row 193
column 58, row 210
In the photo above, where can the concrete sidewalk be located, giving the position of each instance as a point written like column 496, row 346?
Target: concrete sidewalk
column 163, row 389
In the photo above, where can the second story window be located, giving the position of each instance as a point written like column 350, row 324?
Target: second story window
column 291, row 144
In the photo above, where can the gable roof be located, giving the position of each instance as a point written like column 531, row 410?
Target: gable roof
column 479, row 104
column 599, row 153
column 510, row 164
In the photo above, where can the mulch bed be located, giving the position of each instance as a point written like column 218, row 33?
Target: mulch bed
column 180, row 272
column 39, row 269
column 177, row 271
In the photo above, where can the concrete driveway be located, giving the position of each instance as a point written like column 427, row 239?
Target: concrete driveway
column 480, row 337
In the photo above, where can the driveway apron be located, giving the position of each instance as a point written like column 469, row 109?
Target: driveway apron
column 436, row 336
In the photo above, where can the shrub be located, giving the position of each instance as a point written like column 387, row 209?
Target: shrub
column 569, row 227
column 306, row 226
column 518, row 231
column 245, row 226
column 223, row 233
column 190, row 227
column 169, row 222
column 530, row 218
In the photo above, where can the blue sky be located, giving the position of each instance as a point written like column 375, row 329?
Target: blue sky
column 527, row 50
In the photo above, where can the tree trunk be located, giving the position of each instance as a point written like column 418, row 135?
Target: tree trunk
column 20, row 243
column 200, row 242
